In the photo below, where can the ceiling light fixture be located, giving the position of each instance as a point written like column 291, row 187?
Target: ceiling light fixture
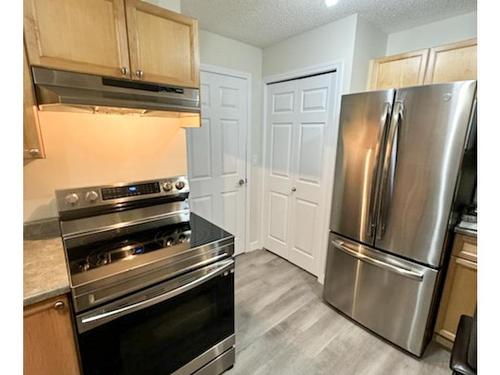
column 330, row 3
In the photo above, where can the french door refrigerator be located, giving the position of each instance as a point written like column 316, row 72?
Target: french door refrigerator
column 398, row 182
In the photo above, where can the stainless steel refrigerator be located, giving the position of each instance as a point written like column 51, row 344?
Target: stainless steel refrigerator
column 400, row 177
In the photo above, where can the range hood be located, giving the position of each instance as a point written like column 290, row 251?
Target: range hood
column 60, row 90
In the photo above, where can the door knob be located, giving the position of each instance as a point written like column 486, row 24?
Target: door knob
column 139, row 73
column 124, row 70
column 294, row 189
column 241, row 182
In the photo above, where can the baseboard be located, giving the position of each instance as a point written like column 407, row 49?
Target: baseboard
column 255, row 245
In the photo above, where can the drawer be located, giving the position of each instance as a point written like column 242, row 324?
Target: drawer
column 388, row 295
column 465, row 247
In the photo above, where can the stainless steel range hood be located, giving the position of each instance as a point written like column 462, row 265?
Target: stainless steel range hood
column 69, row 91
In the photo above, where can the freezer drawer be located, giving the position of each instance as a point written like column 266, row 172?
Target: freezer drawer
column 390, row 296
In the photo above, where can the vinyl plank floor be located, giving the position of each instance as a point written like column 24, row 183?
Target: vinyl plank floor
column 284, row 327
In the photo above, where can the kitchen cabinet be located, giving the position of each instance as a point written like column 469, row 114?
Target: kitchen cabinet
column 49, row 340
column 452, row 62
column 460, row 289
column 84, row 36
column 406, row 69
column 163, row 45
column 117, row 38
column 32, row 139
column 447, row 63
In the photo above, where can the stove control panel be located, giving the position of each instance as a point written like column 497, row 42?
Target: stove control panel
column 106, row 195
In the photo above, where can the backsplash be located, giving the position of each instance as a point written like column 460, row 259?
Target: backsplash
column 90, row 149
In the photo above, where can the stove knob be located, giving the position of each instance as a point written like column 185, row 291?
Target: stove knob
column 71, row 199
column 169, row 242
column 91, row 196
column 180, row 185
column 167, row 186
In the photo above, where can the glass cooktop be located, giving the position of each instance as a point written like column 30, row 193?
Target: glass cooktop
column 183, row 236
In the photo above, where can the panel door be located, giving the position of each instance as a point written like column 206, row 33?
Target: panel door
column 298, row 125
column 32, row 136
column 459, row 296
column 308, row 190
column 217, row 154
column 86, row 36
column 422, row 159
column 452, row 62
column 363, row 120
column 49, row 341
column 406, row 69
column 163, row 45
column 281, row 130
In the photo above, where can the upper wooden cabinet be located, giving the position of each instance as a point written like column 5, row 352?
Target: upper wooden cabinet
column 406, row 69
column 32, row 138
column 448, row 63
column 118, row 38
column 452, row 62
column 49, row 340
column 85, row 36
column 163, row 45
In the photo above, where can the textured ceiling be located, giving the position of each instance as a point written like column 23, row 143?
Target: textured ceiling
column 264, row 22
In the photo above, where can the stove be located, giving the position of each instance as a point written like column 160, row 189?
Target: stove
column 144, row 268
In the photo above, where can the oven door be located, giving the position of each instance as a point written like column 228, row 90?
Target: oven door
column 177, row 326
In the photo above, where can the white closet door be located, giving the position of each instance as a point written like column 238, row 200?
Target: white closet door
column 217, row 154
column 297, row 130
column 281, row 131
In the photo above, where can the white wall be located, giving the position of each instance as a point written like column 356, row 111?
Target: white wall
column 229, row 53
column 331, row 42
column 370, row 43
column 174, row 5
column 449, row 30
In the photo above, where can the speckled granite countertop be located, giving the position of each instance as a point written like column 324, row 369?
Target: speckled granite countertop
column 45, row 272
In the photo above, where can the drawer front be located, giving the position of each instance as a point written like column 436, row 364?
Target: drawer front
column 465, row 247
column 390, row 296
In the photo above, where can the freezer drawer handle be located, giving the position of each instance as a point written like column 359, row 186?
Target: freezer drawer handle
column 399, row 270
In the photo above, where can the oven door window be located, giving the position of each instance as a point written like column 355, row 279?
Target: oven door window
column 164, row 337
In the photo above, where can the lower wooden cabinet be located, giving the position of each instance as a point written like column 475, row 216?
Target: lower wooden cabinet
column 49, row 340
column 460, row 290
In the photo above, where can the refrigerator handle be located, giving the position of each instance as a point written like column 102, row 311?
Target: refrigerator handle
column 389, row 167
column 372, row 219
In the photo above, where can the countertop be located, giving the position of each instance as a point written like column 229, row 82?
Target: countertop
column 467, row 228
column 45, row 271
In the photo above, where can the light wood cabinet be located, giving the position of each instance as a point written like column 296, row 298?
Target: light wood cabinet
column 163, row 45
column 32, row 138
column 407, row 69
column 49, row 341
column 86, row 36
column 452, row 62
column 460, row 289
column 448, row 63
column 118, row 38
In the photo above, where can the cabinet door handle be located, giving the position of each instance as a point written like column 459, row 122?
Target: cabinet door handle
column 59, row 305
column 139, row 73
column 294, row 189
column 124, row 70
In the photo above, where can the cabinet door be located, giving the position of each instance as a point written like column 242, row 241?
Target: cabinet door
column 86, row 36
column 397, row 71
column 452, row 62
column 49, row 343
column 163, row 45
column 33, row 146
column 459, row 296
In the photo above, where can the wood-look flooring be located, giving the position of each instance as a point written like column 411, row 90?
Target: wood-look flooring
column 283, row 326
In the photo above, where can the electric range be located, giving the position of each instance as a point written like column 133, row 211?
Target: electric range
column 152, row 283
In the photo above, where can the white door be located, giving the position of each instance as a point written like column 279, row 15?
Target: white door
column 298, row 126
column 217, row 154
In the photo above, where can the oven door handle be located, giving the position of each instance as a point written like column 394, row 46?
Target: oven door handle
column 91, row 321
